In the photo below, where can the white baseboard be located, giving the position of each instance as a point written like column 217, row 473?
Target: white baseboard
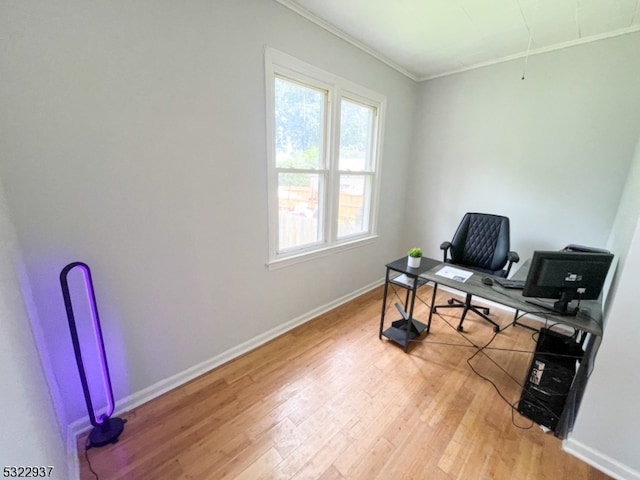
column 145, row 395
column 598, row 460
column 73, row 463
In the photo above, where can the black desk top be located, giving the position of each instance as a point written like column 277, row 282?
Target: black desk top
column 401, row 266
column 588, row 319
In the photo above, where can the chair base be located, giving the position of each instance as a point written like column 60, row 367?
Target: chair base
column 482, row 312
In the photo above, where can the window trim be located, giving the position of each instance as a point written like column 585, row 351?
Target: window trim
column 285, row 66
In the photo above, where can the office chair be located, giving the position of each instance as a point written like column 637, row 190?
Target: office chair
column 481, row 243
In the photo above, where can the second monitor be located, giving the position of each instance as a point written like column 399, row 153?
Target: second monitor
column 565, row 276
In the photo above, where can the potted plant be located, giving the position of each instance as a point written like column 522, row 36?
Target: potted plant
column 415, row 254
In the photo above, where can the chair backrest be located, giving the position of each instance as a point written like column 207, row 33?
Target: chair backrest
column 481, row 241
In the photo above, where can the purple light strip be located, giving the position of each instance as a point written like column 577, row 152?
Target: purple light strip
column 99, row 343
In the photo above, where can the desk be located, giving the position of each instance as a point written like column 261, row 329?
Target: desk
column 588, row 322
column 589, row 319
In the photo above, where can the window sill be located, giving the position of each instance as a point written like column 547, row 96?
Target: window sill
column 304, row 257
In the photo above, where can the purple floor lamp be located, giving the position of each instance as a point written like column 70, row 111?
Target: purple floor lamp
column 105, row 428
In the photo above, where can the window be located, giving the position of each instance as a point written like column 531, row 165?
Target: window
column 324, row 136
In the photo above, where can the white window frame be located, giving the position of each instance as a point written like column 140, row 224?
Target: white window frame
column 279, row 64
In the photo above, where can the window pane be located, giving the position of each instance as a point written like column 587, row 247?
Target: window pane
column 356, row 125
column 353, row 205
column 299, row 125
column 323, row 160
column 299, row 217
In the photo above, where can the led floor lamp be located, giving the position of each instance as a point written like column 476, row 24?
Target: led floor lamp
column 105, row 429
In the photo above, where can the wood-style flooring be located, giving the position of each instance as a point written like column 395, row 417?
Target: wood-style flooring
column 329, row 400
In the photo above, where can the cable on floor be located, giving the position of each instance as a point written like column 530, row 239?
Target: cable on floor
column 481, row 349
column 87, row 446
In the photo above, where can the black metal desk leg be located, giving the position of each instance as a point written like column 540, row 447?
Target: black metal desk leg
column 515, row 322
column 409, row 325
column 433, row 302
column 384, row 303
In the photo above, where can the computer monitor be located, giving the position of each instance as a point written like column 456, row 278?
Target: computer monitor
column 564, row 276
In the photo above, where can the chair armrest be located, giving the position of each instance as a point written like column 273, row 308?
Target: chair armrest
column 512, row 257
column 445, row 246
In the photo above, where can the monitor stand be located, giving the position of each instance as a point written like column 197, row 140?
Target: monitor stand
column 558, row 308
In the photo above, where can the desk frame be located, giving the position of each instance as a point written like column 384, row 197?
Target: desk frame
column 588, row 320
column 406, row 329
column 587, row 323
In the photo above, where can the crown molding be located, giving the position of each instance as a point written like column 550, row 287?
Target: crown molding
column 537, row 51
column 291, row 5
column 346, row 37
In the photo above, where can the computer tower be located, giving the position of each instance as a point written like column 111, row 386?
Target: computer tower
column 549, row 378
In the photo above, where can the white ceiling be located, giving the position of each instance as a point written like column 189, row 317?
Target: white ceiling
column 429, row 38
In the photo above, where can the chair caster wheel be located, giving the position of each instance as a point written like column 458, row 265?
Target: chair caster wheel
column 496, row 329
column 450, row 301
column 486, row 311
column 460, row 328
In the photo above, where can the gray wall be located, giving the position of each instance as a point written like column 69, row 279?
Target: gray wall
column 606, row 430
column 133, row 139
column 551, row 152
column 30, row 433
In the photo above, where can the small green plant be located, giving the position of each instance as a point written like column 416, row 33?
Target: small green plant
column 415, row 252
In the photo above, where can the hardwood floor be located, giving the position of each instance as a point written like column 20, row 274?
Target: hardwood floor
column 329, row 400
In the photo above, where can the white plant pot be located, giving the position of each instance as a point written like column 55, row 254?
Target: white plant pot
column 414, row 262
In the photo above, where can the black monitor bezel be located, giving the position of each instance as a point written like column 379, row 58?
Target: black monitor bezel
column 592, row 267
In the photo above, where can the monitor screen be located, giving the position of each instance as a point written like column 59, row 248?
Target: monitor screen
column 564, row 276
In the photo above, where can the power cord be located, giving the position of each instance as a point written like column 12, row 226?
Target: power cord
column 87, row 446
column 482, row 349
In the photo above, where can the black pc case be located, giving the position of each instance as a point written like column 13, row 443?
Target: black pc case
column 549, row 378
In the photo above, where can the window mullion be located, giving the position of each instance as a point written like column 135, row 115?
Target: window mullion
column 333, row 150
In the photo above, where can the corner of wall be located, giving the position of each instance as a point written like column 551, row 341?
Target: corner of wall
column 598, row 460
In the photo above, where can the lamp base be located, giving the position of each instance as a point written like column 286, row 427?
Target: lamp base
column 107, row 432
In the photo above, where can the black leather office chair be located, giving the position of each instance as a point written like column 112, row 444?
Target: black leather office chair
column 481, row 243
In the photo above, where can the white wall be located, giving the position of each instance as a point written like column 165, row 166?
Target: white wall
column 551, row 152
column 628, row 212
column 31, row 434
column 607, row 426
column 132, row 137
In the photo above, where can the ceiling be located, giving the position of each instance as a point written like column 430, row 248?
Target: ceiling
column 425, row 39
